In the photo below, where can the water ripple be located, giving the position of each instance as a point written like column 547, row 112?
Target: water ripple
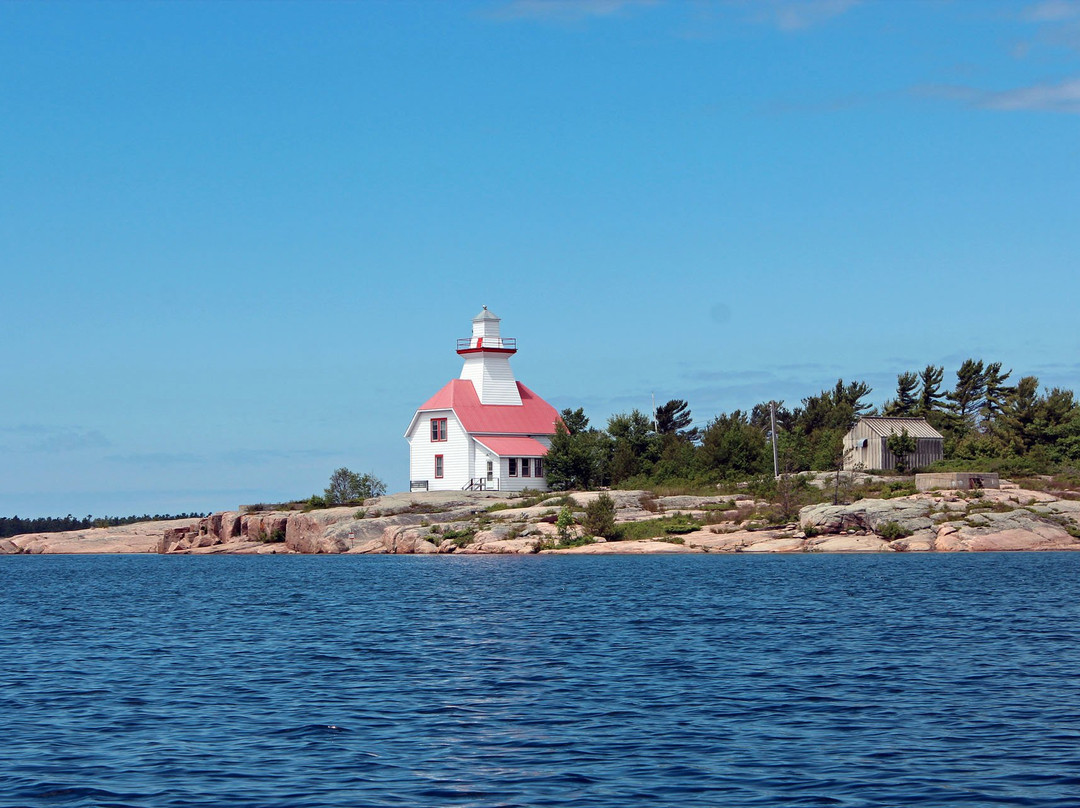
column 852, row 681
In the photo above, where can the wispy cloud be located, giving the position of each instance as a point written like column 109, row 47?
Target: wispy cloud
column 1061, row 97
column 1053, row 11
column 234, row 457
column 565, row 10
column 798, row 15
column 42, row 438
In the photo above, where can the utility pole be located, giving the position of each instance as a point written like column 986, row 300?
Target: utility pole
column 775, row 456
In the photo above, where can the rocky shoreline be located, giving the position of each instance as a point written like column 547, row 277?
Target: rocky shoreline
column 1006, row 519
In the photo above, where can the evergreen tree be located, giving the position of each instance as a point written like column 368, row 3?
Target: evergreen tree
column 575, row 420
column 906, row 400
column 733, row 447
column 995, row 393
column 966, row 398
column 1016, row 426
column 347, row 487
column 902, row 446
column 674, row 418
column 635, row 447
column 930, row 398
column 579, row 460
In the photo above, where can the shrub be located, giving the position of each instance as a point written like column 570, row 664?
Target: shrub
column 275, row 537
column 564, row 523
column 347, row 487
column 460, row 537
column 600, row 516
column 892, row 530
column 564, row 544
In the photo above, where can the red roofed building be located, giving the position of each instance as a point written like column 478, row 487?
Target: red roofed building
column 484, row 429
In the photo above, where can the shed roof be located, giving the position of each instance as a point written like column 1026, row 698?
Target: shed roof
column 885, row 426
column 513, row 447
column 533, row 416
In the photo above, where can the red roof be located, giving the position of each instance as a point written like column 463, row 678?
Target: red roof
column 514, row 447
column 534, row 417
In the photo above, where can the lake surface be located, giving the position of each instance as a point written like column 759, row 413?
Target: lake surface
column 735, row 680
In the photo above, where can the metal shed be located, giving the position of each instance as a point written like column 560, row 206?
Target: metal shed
column 864, row 445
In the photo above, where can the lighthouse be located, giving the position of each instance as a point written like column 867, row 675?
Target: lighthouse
column 483, row 430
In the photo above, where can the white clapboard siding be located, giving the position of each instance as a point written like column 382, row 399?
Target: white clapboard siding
column 492, row 377
column 455, row 452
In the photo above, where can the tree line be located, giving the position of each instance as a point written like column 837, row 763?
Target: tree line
column 15, row 526
column 1009, row 427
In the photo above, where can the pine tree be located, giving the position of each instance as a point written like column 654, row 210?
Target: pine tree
column 930, row 394
column 906, row 401
column 967, row 397
column 995, row 393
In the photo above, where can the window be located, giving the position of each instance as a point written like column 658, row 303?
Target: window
column 438, row 467
column 438, row 429
column 538, row 468
column 513, row 466
column 491, row 471
column 524, row 467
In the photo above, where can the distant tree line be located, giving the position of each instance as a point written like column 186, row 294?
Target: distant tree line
column 984, row 419
column 15, row 526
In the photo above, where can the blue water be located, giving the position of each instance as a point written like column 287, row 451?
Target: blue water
column 885, row 680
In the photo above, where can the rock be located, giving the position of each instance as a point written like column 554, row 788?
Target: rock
column 140, row 537
column 920, row 542
column 947, row 541
column 788, row 545
column 851, row 544
column 370, row 547
column 627, row 548
column 230, row 526
column 518, row 546
column 910, row 513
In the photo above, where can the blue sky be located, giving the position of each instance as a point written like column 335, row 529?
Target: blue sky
column 239, row 240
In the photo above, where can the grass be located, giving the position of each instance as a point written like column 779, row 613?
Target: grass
column 532, row 500
column 669, row 488
column 581, row 541
column 654, row 528
column 461, row 537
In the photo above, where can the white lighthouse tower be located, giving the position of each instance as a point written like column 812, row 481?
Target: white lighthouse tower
column 487, row 361
column 483, row 430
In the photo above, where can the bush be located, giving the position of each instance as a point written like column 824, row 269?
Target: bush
column 655, row 528
column 892, row 530
column 600, row 516
column 347, row 487
column 565, row 523
column 276, row 537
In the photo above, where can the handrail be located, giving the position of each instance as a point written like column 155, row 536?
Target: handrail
column 494, row 343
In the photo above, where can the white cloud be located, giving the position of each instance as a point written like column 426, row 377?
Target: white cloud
column 1053, row 11
column 796, row 15
column 1061, row 97
column 565, row 10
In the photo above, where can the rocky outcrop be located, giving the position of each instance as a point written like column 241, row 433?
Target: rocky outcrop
column 459, row 523
column 909, row 514
column 948, row 521
column 141, row 537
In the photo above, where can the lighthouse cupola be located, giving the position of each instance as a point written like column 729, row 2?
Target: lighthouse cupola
column 487, row 361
